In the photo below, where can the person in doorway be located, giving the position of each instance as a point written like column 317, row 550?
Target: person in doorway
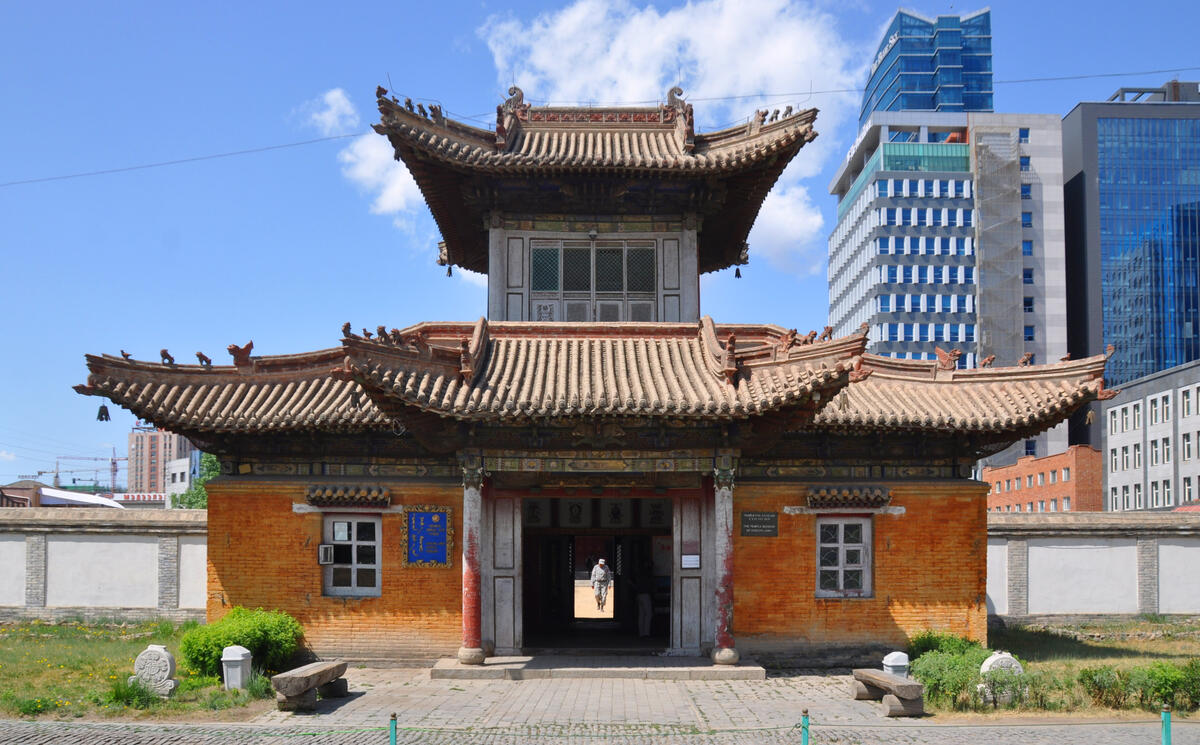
column 601, row 578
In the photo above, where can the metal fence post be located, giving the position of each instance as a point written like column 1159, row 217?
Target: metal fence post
column 804, row 727
column 392, row 730
column 1166, row 725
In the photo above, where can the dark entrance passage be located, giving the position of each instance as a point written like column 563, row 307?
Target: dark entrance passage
column 564, row 538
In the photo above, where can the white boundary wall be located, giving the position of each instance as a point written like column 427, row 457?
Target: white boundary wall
column 1076, row 564
column 70, row 562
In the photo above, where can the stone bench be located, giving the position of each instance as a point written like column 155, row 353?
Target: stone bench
column 901, row 697
column 296, row 690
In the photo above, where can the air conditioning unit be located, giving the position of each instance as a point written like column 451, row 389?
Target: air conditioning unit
column 325, row 553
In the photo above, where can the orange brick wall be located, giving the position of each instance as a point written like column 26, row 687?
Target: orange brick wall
column 929, row 572
column 261, row 554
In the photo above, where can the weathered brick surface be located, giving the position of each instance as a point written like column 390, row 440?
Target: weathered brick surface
column 262, row 554
column 929, row 567
column 1085, row 488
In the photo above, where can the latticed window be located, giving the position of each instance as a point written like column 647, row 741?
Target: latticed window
column 593, row 280
column 352, row 564
column 843, row 557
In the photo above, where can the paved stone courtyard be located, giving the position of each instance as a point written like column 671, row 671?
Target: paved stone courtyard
column 586, row 711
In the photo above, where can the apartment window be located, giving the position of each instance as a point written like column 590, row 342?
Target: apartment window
column 1154, row 452
column 1125, row 494
column 1017, row 483
column 355, row 567
column 1116, row 503
column 1029, row 506
column 1030, row 334
column 1185, row 446
column 1166, row 491
column 1029, row 478
column 1113, row 463
column 1187, row 488
column 1166, row 450
column 1026, row 191
column 1154, row 495
column 1124, row 419
column 1023, row 135
column 885, row 303
column 1112, row 422
column 1041, row 505
column 1027, row 248
column 1125, row 458
column 1027, row 219
column 1154, row 411
column 1137, row 455
column 1019, row 508
column 1137, row 416
column 1028, row 305
column 1166, row 407
column 1027, row 276
column 1041, row 479
column 1066, row 504
column 997, row 489
column 1185, row 403
column 1066, row 474
column 1054, row 477
column 1024, row 162
column 1008, row 485
column 843, row 557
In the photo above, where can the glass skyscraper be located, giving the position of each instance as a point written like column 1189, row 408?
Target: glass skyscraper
column 1133, row 232
column 932, row 64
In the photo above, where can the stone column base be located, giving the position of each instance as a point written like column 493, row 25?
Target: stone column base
column 471, row 656
column 725, row 656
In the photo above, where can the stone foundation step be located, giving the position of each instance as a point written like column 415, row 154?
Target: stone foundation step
column 601, row 666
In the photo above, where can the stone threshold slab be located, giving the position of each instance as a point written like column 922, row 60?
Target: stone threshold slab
column 573, row 666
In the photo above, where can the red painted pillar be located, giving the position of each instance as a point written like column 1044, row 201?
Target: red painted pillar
column 471, row 652
column 723, row 649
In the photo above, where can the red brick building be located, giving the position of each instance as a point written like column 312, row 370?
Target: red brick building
column 1071, row 481
column 419, row 492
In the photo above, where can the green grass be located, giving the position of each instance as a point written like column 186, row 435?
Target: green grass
column 75, row 669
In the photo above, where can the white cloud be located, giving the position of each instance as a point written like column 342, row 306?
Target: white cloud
column 606, row 51
column 5, row 455
column 332, row 113
column 472, row 278
column 369, row 162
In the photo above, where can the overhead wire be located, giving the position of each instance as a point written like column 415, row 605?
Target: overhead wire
column 482, row 118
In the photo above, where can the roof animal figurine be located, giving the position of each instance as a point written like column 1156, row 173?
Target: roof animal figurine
column 366, row 334
column 125, row 354
column 729, row 364
column 947, row 360
column 421, row 111
column 787, row 340
column 1065, row 358
column 241, row 355
column 204, row 359
column 347, row 333
column 380, row 91
column 167, row 359
column 381, row 332
column 807, row 339
column 826, row 335
column 787, row 112
column 987, row 361
column 1026, row 360
column 408, row 104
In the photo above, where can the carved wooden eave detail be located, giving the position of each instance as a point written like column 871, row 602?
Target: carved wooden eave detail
column 843, row 496
column 608, row 148
column 341, row 495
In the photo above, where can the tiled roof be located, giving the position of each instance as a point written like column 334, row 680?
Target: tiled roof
column 284, row 393
column 538, row 371
column 917, row 395
column 347, row 496
column 824, row 497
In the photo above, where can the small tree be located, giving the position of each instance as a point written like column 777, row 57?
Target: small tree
column 196, row 497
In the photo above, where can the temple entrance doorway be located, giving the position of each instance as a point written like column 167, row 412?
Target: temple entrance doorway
column 563, row 539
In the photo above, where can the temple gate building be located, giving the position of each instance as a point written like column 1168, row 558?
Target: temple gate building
column 440, row 489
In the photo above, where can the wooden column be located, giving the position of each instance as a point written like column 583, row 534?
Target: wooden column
column 723, row 649
column 471, row 651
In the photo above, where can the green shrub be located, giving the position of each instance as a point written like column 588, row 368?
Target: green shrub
column 951, row 679
column 271, row 637
column 259, row 686
column 1189, row 692
column 132, row 693
column 1106, row 685
column 1157, row 684
column 938, row 641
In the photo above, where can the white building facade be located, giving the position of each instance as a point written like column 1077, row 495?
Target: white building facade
column 1151, row 441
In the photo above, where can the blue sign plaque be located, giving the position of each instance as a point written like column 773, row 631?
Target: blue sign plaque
column 427, row 544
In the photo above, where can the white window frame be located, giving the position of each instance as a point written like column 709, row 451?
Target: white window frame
column 330, row 519
column 1137, row 416
column 865, row 557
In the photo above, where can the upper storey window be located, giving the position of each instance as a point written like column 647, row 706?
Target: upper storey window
column 593, row 280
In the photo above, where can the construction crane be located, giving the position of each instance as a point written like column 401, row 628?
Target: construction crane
column 57, row 472
column 112, row 461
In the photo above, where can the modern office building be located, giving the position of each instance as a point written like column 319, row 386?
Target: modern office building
column 149, row 452
column 932, row 64
column 1151, row 441
column 950, row 235
column 1132, row 196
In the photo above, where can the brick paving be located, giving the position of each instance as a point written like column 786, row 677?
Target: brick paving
column 587, row 711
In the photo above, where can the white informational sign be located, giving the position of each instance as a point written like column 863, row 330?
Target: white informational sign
column 689, row 561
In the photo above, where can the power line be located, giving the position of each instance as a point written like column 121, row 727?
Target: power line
column 755, row 96
column 195, row 159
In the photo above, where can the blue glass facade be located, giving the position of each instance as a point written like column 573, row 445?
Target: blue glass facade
column 1148, row 174
column 942, row 64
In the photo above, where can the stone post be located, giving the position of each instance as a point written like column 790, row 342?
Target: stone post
column 723, row 649
column 1147, row 575
column 471, row 652
column 35, row 570
column 1018, row 577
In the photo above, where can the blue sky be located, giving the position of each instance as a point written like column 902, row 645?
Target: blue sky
column 283, row 246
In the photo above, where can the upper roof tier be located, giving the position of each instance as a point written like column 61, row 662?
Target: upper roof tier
column 539, row 373
column 593, row 161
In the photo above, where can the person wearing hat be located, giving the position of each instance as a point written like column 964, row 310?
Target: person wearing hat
column 601, row 577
